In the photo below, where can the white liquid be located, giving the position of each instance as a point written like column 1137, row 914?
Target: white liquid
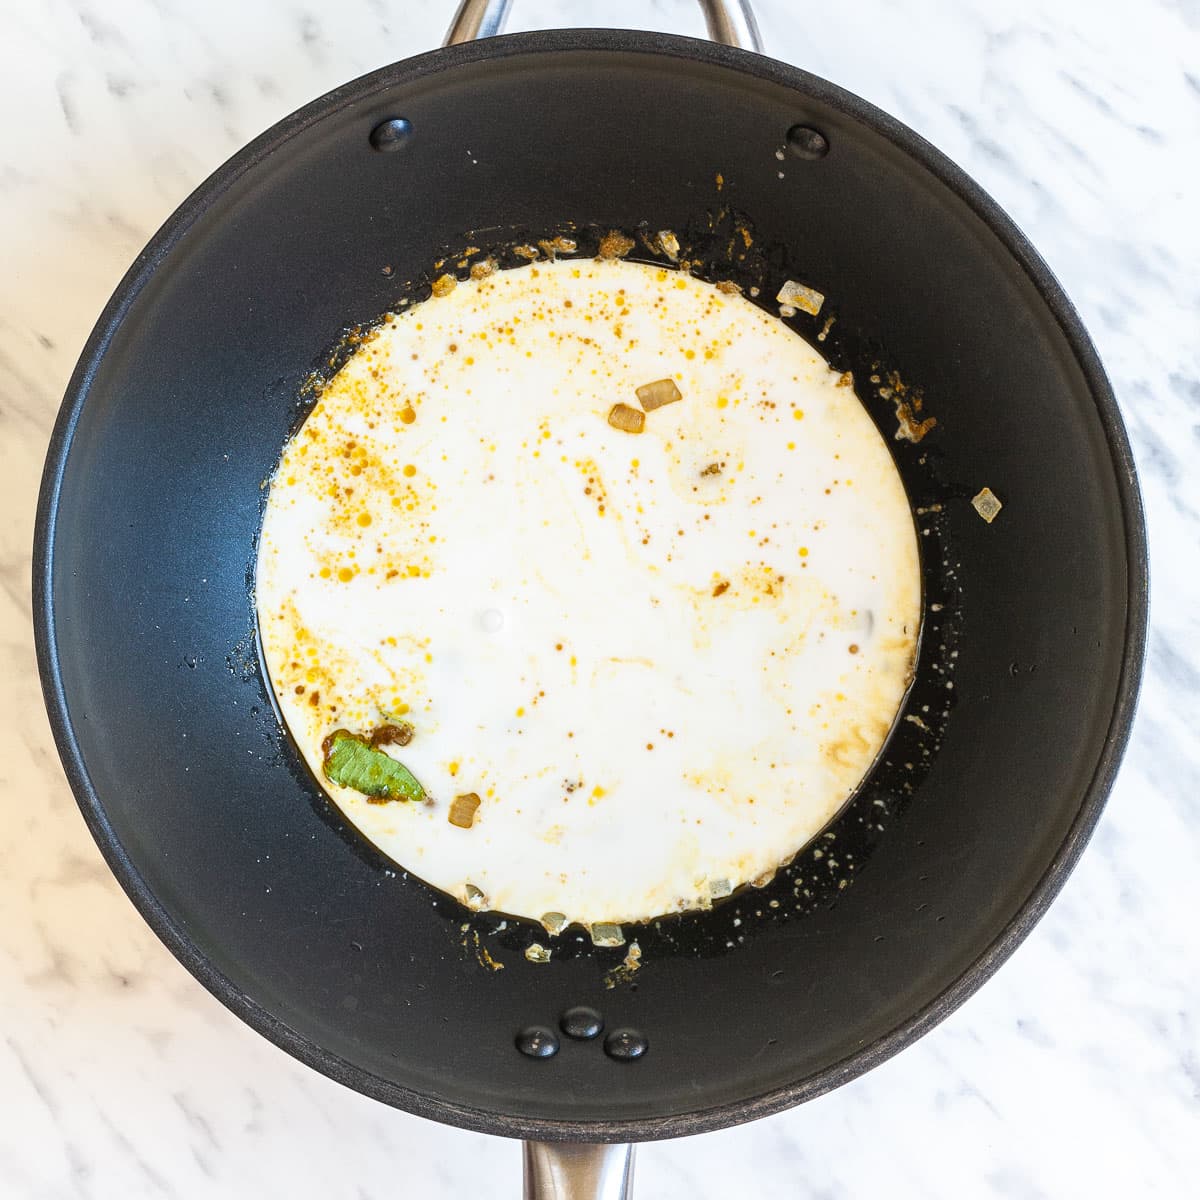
column 661, row 682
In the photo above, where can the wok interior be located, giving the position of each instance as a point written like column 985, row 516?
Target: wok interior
column 292, row 919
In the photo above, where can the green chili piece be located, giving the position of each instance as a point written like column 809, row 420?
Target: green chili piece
column 351, row 761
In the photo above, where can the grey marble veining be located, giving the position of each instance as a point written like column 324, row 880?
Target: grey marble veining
column 1075, row 1072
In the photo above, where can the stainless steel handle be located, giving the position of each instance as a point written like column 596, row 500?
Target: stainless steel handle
column 568, row 1171
column 730, row 22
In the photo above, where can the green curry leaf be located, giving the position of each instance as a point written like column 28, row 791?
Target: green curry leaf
column 351, row 761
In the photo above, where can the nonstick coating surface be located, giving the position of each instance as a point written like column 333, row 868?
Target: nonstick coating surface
column 152, row 499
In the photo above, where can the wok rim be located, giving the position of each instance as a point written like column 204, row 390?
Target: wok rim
column 990, row 957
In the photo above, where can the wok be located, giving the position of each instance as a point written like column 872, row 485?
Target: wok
column 1033, row 624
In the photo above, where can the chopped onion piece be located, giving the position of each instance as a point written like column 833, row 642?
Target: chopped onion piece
column 476, row 900
column 655, row 395
column 669, row 243
column 796, row 295
column 987, row 505
column 626, row 419
column 604, row 934
column 554, row 922
column 463, row 809
column 552, row 247
column 719, row 887
column 537, row 953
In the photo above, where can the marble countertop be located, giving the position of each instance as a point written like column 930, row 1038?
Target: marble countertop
column 1075, row 1072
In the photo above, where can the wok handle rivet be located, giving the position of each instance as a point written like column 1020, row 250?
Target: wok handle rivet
column 537, row 1041
column 806, row 142
column 581, row 1023
column 391, row 134
column 625, row 1045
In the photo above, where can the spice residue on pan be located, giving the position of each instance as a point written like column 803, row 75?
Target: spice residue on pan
column 615, row 244
column 626, row 969
column 590, row 485
column 473, row 942
column 909, row 403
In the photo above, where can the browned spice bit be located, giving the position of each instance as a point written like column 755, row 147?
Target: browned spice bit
column 908, row 402
column 314, row 699
column 845, row 379
column 908, row 427
column 729, row 287
column 392, row 735
column 443, row 285
column 853, row 647
column 463, row 809
column 721, row 588
column 628, row 967
column 481, row 270
column 482, row 955
column 626, row 419
column 660, row 392
column 614, row 244
column 712, row 469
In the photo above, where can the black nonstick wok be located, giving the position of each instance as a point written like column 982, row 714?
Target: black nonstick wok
column 1031, row 644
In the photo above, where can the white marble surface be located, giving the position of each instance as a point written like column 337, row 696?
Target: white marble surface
column 1075, row 1073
